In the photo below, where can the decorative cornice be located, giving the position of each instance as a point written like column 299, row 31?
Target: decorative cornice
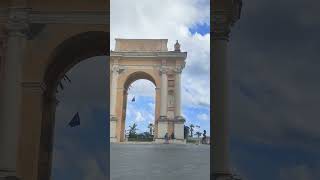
column 70, row 17
column 35, row 87
column 161, row 55
column 62, row 17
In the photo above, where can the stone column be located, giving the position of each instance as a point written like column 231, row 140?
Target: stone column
column 225, row 13
column 113, row 98
column 179, row 120
column 163, row 121
column 178, row 71
column 10, row 114
column 164, row 93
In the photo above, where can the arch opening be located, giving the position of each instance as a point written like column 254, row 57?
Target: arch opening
column 139, row 111
column 65, row 56
column 133, row 78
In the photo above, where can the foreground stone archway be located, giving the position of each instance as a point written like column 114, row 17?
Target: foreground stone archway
column 43, row 40
column 69, row 53
column 150, row 59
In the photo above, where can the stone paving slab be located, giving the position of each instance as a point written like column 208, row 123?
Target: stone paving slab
column 159, row 162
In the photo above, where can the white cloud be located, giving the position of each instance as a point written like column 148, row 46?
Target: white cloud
column 142, row 88
column 203, row 117
column 139, row 117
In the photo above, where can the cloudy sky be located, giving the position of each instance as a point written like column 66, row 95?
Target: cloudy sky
column 81, row 152
column 274, row 54
column 183, row 20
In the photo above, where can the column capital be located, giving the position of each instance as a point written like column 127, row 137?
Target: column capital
column 179, row 119
column 224, row 19
column 116, row 68
column 178, row 69
column 17, row 24
column 163, row 70
column 221, row 26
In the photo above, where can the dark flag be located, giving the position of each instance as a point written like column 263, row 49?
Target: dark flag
column 75, row 120
column 133, row 99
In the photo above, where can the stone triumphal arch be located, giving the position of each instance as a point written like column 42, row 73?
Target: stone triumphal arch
column 40, row 40
column 134, row 59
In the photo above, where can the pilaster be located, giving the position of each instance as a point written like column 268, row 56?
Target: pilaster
column 10, row 114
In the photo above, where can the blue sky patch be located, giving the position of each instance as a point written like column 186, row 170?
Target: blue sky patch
column 202, row 29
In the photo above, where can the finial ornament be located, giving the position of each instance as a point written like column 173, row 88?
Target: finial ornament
column 177, row 47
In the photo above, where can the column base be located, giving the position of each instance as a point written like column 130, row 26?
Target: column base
column 8, row 175
column 162, row 126
column 171, row 141
column 222, row 176
column 113, row 118
column 9, row 178
column 179, row 127
column 113, row 139
column 113, row 127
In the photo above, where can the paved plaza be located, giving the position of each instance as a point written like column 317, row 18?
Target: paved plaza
column 160, row 162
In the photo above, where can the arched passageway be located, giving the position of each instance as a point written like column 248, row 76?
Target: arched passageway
column 70, row 52
column 137, row 84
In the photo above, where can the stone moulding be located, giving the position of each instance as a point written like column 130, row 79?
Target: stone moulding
column 35, row 87
column 63, row 17
column 169, row 54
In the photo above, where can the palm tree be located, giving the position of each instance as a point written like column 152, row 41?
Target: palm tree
column 198, row 134
column 133, row 130
column 191, row 130
column 60, row 85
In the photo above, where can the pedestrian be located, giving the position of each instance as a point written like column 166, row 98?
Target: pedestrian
column 172, row 135
column 204, row 139
column 166, row 138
